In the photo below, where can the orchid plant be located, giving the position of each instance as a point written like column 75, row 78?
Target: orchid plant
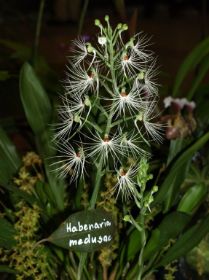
column 108, row 117
column 109, row 110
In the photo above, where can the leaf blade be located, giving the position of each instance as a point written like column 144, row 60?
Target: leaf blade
column 186, row 242
column 35, row 101
column 191, row 61
column 78, row 231
column 172, row 182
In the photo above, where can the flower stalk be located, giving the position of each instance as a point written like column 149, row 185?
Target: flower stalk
column 109, row 112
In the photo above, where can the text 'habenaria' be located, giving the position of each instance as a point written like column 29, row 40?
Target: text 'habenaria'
column 79, row 227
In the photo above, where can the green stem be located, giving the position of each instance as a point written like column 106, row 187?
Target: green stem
column 122, row 121
column 38, row 31
column 83, row 257
column 141, row 255
column 99, row 173
column 115, row 87
column 93, row 201
column 150, row 267
column 109, row 122
column 97, row 185
column 83, row 12
column 95, row 126
column 112, row 68
column 107, row 88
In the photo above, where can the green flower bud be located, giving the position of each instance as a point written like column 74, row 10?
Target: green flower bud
column 141, row 75
column 125, row 27
column 77, row 119
column 119, row 26
column 90, row 49
column 127, row 218
column 106, row 18
column 87, row 101
column 155, row 189
column 97, row 22
column 139, row 116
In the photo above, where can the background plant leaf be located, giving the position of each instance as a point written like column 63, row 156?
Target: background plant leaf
column 186, row 242
column 10, row 161
column 7, row 269
column 35, row 101
column 7, row 233
column 190, row 62
column 202, row 71
column 134, row 244
column 170, row 227
column 56, row 188
column 172, row 183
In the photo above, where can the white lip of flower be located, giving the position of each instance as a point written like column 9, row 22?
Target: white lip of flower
column 148, row 83
column 104, row 148
column 147, row 117
column 63, row 128
column 125, row 102
column 81, row 81
column 126, row 184
column 102, row 40
column 130, row 63
column 131, row 144
column 142, row 42
column 69, row 112
column 80, row 51
column 70, row 162
column 73, row 105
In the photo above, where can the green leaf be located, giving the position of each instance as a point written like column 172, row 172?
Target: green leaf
column 35, row 101
column 10, row 161
column 186, row 242
column 44, row 143
column 193, row 198
column 20, row 194
column 170, row 227
column 7, row 233
column 55, row 189
column 201, row 112
column 175, row 147
column 85, row 231
column 172, row 183
column 7, row 269
column 134, row 244
column 190, row 62
column 198, row 79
